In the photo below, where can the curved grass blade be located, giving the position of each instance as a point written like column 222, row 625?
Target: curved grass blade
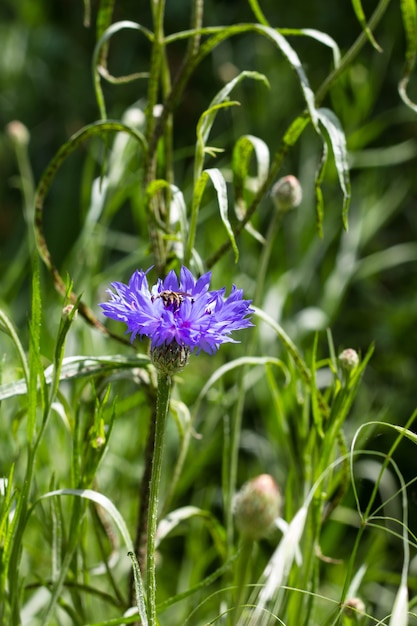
column 409, row 15
column 104, row 17
column 293, row 59
column 174, row 518
column 207, row 119
column 112, row 511
column 100, row 128
column 99, row 60
column 245, row 147
column 319, row 36
column 220, row 187
column 337, row 141
column 77, row 367
column 359, row 12
column 318, row 190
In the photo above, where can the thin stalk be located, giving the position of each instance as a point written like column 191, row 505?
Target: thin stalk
column 242, row 569
column 142, row 526
column 238, row 412
column 162, row 404
column 155, row 68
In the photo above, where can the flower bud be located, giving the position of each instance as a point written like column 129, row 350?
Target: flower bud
column 353, row 608
column 256, row 506
column 287, row 193
column 349, row 360
column 18, row 133
column 170, row 358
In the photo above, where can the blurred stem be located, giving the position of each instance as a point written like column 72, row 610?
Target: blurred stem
column 242, row 569
column 162, row 405
column 265, row 256
column 156, row 65
column 142, row 525
column 155, row 70
column 238, row 412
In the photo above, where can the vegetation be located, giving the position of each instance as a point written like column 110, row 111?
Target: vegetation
column 271, row 480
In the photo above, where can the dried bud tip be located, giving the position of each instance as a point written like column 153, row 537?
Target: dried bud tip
column 18, row 133
column 287, row 193
column 349, row 359
column 256, row 506
column 67, row 310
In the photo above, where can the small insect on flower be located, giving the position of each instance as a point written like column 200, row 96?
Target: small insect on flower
column 173, row 299
column 178, row 310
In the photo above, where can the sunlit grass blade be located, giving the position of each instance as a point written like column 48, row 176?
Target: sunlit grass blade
column 245, row 147
column 74, row 367
column 337, row 141
column 44, row 185
column 100, row 54
column 409, row 14
column 357, row 6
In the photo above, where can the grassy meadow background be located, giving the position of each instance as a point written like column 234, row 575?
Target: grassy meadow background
column 330, row 440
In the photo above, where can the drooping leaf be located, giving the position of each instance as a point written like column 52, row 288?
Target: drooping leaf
column 220, row 187
column 76, row 367
column 293, row 59
column 337, row 140
column 409, row 15
column 207, row 119
column 360, row 14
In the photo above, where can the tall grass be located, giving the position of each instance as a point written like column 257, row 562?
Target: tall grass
column 118, row 484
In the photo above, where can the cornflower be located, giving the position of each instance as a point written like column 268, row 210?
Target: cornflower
column 183, row 312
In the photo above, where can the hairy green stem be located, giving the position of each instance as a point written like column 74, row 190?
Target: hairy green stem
column 162, row 404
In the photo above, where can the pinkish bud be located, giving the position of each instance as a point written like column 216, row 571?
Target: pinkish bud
column 287, row 193
column 256, row 506
column 349, row 360
column 354, row 608
column 18, row 133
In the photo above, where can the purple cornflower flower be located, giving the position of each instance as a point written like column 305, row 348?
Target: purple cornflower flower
column 181, row 311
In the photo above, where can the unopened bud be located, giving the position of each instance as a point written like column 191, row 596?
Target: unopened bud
column 354, row 608
column 256, row 506
column 18, row 133
column 287, row 193
column 170, row 358
column 349, row 360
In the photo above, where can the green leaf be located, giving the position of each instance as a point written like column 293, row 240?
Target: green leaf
column 337, row 140
column 173, row 519
column 220, row 187
column 409, row 15
column 317, row 188
column 319, row 36
column 77, row 367
column 293, row 59
column 99, row 62
column 112, row 511
column 208, row 118
column 242, row 154
column 357, row 7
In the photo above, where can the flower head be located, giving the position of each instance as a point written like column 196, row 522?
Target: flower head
column 183, row 311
